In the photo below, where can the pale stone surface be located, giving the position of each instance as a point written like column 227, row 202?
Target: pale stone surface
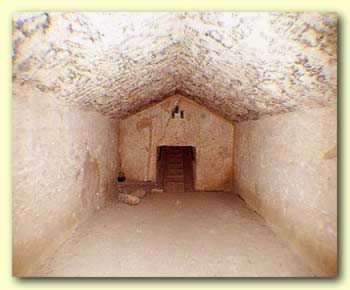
column 64, row 162
column 128, row 199
column 286, row 168
column 139, row 193
column 192, row 234
column 132, row 192
column 212, row 136
column 67, row 67
column 157, row 190
column 243, row 64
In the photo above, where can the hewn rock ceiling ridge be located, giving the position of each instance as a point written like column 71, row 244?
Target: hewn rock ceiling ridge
column 243, row 65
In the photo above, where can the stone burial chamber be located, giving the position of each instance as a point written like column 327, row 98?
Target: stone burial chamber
column 222, row 129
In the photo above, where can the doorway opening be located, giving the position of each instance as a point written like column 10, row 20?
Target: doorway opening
column 176, row 167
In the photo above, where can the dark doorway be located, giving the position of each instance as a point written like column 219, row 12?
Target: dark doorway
column 176, row 168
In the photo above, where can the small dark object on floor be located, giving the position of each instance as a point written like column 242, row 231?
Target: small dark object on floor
column 121, row 177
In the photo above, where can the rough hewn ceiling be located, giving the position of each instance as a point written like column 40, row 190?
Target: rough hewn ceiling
column 243, row 65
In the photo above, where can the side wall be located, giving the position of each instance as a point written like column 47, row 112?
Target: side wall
column 286, row 168
column 212, row 136
column 63, row 164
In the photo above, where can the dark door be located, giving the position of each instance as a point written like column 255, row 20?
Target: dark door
column 175, row 166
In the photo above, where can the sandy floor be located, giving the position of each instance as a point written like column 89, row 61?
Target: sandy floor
column 175, row 234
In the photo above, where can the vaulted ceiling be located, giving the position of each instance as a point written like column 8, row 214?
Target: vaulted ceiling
column 242, row 65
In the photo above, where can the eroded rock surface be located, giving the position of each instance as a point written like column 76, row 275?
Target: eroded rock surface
column 242, row 65
column 128, row 199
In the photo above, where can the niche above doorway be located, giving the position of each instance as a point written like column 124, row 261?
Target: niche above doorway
column 176, row 113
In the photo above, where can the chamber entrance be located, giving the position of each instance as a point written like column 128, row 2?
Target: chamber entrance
column 176, row 168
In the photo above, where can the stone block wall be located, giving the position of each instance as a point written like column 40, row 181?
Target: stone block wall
column 64, row 161
column 210, row 134
column 285, row 167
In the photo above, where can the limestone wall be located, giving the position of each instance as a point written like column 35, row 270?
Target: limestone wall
column 212, row 136
column 286, row 168
column 63, row 164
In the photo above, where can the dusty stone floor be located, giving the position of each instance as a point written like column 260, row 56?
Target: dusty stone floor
column 175, row 234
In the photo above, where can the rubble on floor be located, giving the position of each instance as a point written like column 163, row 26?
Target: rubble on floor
column 131, row 192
